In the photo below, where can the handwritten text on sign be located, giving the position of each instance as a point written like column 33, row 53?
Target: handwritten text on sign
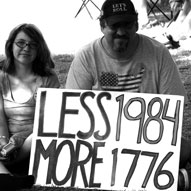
column 106, row 140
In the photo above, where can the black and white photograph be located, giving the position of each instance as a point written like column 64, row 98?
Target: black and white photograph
column 95, row 95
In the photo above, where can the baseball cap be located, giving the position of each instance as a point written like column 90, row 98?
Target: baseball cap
column 115, row 11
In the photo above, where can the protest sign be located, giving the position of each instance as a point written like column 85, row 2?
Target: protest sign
column 106, row 140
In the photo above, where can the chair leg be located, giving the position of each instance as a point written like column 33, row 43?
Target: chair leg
column 84, row 3
column 154, row 5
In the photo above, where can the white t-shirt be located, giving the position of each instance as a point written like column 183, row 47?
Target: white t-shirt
column 150, row 70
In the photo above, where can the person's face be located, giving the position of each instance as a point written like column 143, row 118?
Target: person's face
column 120, row 35
column 24, row 49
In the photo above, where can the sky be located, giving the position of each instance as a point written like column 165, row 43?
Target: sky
column 63, row 32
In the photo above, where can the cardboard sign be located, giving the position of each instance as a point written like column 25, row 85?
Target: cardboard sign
column 106, row 140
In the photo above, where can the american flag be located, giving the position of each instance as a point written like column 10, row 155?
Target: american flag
column 115, row 82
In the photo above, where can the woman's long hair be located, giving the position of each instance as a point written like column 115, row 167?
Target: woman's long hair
column 43, row 61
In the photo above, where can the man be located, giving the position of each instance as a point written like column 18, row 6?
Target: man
column 123, row 60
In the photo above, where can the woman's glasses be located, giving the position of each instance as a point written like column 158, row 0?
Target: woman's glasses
column 23, row 44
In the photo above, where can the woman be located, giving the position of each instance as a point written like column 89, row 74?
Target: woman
column 27, row 68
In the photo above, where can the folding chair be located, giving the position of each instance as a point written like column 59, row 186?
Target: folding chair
column 154, row 5
column 176, row 7
column 84, row 4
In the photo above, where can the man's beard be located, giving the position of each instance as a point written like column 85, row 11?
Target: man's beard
column 121, row 44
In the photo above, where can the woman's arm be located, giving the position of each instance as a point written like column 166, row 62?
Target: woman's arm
column 4, row 132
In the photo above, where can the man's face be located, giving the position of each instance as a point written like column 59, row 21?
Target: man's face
column 120, row 35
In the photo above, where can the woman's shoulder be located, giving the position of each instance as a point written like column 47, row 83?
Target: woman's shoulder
column 50, row 81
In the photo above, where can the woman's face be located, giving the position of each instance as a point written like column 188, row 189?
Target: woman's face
column 24, row 49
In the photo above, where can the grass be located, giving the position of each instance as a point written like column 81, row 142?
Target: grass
column 62, row 65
